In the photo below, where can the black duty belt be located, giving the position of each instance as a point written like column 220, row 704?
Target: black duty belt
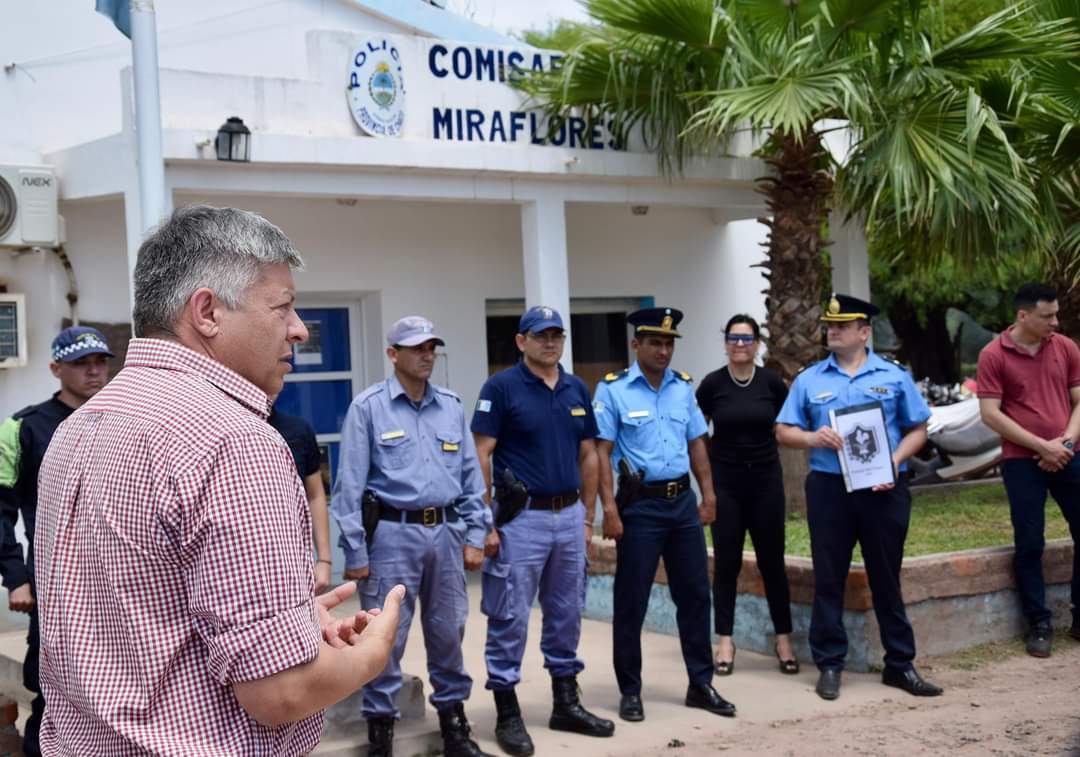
column 428, row 516
column 556, row 502
column 665, row 489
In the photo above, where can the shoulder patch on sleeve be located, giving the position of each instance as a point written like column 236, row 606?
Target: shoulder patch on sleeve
column 615, row 376
column 684, row 376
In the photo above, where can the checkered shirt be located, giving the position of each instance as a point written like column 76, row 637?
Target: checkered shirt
column 173, row 560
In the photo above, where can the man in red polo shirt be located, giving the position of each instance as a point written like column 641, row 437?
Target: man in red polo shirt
column 1029, row 392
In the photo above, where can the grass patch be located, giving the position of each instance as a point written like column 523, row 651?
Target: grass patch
column 942, row 520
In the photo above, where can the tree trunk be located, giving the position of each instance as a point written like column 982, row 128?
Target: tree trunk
column 798, row 197
column 927, row 349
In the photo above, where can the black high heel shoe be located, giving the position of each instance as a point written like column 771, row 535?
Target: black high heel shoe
column 787, row 667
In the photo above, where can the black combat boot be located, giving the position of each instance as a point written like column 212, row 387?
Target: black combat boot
column 380, row 736
column 567, row 714
column 455, row 733
column 509, row 727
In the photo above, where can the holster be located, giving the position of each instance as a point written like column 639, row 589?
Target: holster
column 370, row 511
column 629, row 485
column 512, row 496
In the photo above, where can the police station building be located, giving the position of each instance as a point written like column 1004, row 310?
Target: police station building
column 387, row 140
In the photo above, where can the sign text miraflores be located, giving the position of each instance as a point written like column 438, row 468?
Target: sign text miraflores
column 502, row 67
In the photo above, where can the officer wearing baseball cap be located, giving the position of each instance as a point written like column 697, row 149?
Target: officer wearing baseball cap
column 534, row 430
column 409, row 503
column 876, row 518
column 650, row 425
column 80, row 357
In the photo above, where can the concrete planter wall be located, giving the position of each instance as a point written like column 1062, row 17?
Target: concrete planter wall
column 954, row 600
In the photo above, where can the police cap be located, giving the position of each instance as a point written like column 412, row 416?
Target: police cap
column 842, row 308
column 655, row 321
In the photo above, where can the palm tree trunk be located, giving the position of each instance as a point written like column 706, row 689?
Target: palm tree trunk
column 798, row 196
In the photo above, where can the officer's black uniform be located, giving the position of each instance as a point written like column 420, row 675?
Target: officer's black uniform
column 37, row 424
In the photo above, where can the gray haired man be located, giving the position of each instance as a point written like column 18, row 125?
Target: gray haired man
column 174, row 541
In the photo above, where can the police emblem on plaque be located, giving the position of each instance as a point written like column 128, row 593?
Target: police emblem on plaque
column 861, row 444
column 376, row 89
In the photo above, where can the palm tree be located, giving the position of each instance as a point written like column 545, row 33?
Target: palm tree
column 931, row 160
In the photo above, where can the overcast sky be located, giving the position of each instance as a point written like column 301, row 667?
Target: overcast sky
column 517, row 15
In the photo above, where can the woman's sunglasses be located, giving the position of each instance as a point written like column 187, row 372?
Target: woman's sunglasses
column 740, row 338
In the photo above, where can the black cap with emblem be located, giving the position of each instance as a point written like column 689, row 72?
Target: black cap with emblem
column 843, row 307
column 655, row 321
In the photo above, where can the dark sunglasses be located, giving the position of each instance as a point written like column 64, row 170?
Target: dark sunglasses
column 740, row 338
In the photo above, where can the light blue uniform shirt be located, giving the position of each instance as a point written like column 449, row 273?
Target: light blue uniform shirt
column 824, row 386
column 412, row 457
column 650, row 427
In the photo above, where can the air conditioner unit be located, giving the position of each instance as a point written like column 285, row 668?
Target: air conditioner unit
column 12, row 330
column 28, row 207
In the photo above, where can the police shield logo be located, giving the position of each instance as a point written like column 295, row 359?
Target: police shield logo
column 861, row 444
column 376, row 89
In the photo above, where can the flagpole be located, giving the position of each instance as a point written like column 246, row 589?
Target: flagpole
column 153, row 203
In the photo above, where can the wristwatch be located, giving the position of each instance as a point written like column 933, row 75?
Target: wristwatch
column 1067, row 444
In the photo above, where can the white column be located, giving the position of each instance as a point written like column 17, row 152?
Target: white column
column 153, row 202
column 547, row 271
column 850, row 261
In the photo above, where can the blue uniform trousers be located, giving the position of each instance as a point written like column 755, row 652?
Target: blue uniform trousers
column 429, row 563
column 655, row 528
column 541, row 551
column 878, row 521
column 1027, row 487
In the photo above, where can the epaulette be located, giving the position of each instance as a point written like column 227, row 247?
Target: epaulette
column 684, row 376
column 803, row 369
column 370, row 392
column 446, row 392
column 615, row 376
column 894, row 361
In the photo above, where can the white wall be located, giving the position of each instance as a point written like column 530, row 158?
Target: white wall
column 680, row 257
column 65, row 86
column 96, row 248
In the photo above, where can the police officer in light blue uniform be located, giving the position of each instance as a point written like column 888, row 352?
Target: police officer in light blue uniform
column 534, row 430
column 875, row 518
column 649, row 417
column 406, row 451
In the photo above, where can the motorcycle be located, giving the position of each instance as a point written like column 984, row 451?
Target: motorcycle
column 959, row 446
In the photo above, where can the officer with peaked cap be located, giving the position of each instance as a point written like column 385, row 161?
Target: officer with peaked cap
column 407, row 457
column 534, row 429
column 876, row 518
column 649, row 418
column 80, row 359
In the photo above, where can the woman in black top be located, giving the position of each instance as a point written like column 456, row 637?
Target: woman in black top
column 743, row 400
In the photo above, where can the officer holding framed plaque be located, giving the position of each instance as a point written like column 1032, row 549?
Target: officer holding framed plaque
column 852, row 410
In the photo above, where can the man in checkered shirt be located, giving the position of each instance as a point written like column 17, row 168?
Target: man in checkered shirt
column 174, row 568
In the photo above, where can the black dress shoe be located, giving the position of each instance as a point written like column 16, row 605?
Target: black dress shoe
column 1038, row 640
column 828, row 684
column 706, row 698
column 630, row 708
column 910, row 681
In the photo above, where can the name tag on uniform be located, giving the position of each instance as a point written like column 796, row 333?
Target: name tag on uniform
column 387, row 436
column 879, row 390
column 638, row 414
column 823, row 396
column 577, row 411
column 450, row 446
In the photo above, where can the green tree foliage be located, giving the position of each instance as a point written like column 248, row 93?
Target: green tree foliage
column 935, row 168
